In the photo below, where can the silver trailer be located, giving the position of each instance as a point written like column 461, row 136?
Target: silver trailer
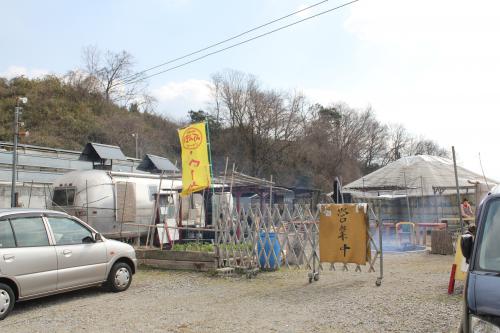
column 116, row 203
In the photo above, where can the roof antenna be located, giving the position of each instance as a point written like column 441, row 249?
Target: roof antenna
column 482, row 170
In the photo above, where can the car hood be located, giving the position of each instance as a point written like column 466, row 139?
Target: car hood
column 119, row 247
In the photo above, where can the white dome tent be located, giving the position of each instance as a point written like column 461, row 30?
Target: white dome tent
column 421, row 188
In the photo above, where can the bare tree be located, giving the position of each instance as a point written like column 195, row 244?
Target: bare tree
column 82, row 81
column 336, row 141
column 263, row 123
column 422, row 146
column 375, row 146
column 267, row 131
column 114, row 75
column 398, row 142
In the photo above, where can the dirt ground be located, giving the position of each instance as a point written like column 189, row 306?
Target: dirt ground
column 413, row 298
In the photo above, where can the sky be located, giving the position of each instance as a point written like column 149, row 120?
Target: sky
column 430, row 65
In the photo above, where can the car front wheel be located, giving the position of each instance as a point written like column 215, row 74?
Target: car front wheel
column 120, row 277
column 7, row 300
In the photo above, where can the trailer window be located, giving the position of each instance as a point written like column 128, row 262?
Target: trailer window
column 63, row 197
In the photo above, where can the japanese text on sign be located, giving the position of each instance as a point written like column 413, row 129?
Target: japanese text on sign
column 195, row 161
column 343, row 234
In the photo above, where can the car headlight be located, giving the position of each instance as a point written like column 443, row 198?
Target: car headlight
column 478, row 325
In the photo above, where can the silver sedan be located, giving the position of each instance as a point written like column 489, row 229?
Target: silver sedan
column 45, row 252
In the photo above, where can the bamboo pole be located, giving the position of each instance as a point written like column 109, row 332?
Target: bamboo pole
column 458, row 190
column 165, row 225
column 123, row 208
column 150, row 238
column 31, row 189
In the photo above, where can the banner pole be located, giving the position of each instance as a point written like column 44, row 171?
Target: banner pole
column 209, row 147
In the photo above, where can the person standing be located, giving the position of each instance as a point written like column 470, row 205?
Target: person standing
column 466, row 209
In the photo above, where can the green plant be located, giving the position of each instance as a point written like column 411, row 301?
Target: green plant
column 195, row 247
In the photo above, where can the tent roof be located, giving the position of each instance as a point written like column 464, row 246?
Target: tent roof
column 423, row 174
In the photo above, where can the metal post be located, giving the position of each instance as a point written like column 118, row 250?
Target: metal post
column 217, row 213
column 18, row 110
column 422, row 197
column 87, row 198
column 380, row 241
column 45, row 196
column 458, row 191
column 136, row 145
column 271, row 194
column 314, row 249
column 407, row 199
column 422, row 186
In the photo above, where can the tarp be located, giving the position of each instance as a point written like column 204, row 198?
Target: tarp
column 416, row 176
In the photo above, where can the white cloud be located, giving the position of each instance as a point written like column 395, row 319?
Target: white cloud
column 15, row 71
column 433, row 66
column 176, row 98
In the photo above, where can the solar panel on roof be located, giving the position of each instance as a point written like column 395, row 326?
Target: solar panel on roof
column 153, row 163
column 96, row 152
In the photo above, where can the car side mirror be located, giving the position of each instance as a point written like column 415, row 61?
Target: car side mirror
column 97, row 237
column 467, row 244
column 88, row 240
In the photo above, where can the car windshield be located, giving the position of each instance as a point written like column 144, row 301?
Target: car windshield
column 489, row 246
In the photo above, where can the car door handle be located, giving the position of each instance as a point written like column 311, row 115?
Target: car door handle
column 9, row 257
column 67, row 252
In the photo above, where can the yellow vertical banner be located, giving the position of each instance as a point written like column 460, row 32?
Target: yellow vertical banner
column 462, row 266
column 343, row 234
column 195, row 161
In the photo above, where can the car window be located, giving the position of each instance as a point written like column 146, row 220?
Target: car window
column 30, row 231
column 6, row 235
column 489, row 245
column 67, row 231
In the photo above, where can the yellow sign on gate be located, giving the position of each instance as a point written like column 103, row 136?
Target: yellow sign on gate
column 343, row 234
column 195, row 161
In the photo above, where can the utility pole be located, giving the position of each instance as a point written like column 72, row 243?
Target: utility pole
column 136, row 136
column 18, row 110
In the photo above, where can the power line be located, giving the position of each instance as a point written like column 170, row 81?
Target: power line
column 231, row 46
column 134, row 76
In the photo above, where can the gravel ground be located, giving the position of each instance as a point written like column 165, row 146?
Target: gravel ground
column 412, row 298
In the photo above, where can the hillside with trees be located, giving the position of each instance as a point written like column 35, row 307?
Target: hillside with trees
column 264, row 132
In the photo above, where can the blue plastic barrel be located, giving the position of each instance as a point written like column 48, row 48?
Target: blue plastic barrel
column 271, row 243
